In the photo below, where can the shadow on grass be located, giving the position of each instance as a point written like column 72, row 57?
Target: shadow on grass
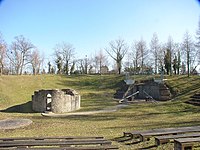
column 122, row 139
column 148, row 147
column 22, row 108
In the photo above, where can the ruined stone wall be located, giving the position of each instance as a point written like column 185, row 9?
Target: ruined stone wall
column 151, row 89
column 64, row 100
column 39, row 100
column 158, row 91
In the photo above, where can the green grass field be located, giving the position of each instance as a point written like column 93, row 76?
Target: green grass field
column 96, row 94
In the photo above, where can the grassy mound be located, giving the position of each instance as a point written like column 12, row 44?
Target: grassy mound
column 96, row 93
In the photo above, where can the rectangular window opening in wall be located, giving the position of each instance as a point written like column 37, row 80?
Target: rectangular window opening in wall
column 48, row 102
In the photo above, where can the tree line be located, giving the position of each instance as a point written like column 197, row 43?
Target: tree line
column 169, row 58
column 22, row 57
column 14, row 58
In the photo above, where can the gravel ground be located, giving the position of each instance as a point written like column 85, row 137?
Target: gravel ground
column 14, row 123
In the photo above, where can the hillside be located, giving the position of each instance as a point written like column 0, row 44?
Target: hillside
column 15, row 90
column 96, row 94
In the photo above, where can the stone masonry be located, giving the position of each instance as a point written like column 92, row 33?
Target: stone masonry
column 158, row 91
column 56, row 101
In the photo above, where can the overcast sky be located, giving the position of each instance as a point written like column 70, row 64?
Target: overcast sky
column 91, row 24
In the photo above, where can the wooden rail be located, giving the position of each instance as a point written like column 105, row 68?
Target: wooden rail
column 181, row 130
column 109, row 147
column 49, row 138
column 56, row 143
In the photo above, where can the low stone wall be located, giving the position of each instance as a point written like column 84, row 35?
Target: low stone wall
column 57, row 101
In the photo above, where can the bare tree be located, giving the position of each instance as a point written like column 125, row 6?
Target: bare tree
column 96, row 63
column 36, row 61
column 197, row 44
column 161, row 56
column 66, row 52
column 167, row 61
column 84, row 64
column 188, row 49
column 170, row 47
column 135, row 54
column 99, row 60
column 2, row 54
column 19, row 53
column 143, row 52
column 117, row 50
column 80, row 66
column 155, row 48
column 59, row 64
column 177, row 58
column 72, row 67
column 140, row 50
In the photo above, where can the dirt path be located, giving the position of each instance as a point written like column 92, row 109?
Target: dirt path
column 112, row 109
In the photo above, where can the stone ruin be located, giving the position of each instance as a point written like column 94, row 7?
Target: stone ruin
column 143, row 90
column 158, row 91
column 56, row 101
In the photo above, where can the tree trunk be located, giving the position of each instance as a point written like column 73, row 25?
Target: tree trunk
column 119, row 67
column 188, row 63
column 156, row 65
